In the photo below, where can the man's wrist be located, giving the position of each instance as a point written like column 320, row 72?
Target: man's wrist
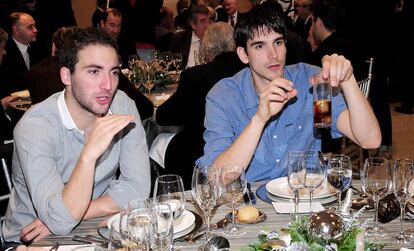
column 258, row 120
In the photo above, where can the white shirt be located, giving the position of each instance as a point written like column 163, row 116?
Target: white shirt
column 234, row 16
column 23, row 51
column 195, row 46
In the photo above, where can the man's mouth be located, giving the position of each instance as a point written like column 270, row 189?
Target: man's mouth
column 103, row 100
column 274, row 67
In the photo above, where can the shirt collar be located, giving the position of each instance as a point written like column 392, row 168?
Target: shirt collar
column 194, row 38
column 22, row 47
column 67, row 119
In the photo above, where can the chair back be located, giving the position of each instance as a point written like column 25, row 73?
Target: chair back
column 365, row 84
column 6, row 152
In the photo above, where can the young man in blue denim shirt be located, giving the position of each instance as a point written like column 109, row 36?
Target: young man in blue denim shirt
column 256, row 117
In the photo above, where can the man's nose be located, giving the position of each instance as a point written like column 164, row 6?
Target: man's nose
column 272, row 52
column 107, row 82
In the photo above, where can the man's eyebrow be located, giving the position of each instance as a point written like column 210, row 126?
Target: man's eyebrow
column 101, row 67
column 256, row 43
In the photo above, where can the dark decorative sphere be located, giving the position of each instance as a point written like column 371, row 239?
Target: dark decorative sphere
column 326, row 224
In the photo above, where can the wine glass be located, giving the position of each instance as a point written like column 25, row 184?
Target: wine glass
column 139, row 224
column 314, row 173
column 149, row 79
column 403, row 176
column 132, row 61
column 296, row 167
column 233, row 186
column 134, row 77
column 204, row 188
column 177, row 61
column 339, row 174
column 167, row 59
column 376, row 181
column 169, row 189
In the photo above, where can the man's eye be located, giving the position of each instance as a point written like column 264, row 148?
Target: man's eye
column 115, row 73
column 279, row 42
column 258, row 46
column 93, row 71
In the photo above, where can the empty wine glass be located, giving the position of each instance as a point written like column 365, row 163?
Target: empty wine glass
column 169, row 189
column 177, row 61
column 339, row 174
column 204, row 188
column 403, row 176
column 132, row 61
column 314, row 174
column 134, row 77
column 296, row 168
column 376, row 181
column 167, row 59
column 149, row 79
column 233, row 186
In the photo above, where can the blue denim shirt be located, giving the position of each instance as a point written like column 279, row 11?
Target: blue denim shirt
column 231, row 104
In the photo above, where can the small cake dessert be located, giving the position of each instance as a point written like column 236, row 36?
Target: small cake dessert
column 248, row 213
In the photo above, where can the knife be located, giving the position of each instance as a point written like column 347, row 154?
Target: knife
column 251, row 194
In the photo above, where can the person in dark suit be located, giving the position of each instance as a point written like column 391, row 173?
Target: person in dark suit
column 303, row 11
column 186, row 106
column 221, row 14
column 188, row 41
column 233, row 15
column 6, row 133
column 18, row 60
column 112, row 23
column 43, row 79
column 98, row 13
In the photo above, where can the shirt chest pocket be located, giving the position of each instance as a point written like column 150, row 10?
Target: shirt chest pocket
column 295, row 130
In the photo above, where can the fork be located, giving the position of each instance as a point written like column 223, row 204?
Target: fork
column 55, row 247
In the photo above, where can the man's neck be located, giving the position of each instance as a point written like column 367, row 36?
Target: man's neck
column 18, row 40
column 325, row 34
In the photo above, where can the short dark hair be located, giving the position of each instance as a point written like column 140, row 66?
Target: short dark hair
column 198, row 9
column 113, row 11
column 259, row 20
column 330, row 12
column 82, row 37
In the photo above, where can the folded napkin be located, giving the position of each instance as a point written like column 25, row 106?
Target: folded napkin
column 288, row 207
column 159, row 147
column 406, row 249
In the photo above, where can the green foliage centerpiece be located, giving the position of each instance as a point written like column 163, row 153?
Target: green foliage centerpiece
column 324, row 231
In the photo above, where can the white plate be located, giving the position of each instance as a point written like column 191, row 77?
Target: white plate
column 183, row 222
column 21, row 94
column 323, row 201
column 280, row 187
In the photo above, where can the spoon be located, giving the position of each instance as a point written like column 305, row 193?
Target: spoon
column 217, row 243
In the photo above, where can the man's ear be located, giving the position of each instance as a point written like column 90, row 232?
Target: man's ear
column 192, row 24
column 241, row 52
column 65, row 76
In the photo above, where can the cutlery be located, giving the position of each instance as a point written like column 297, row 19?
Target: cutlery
column 251, row 195
column 90, row 239
column 55, row 247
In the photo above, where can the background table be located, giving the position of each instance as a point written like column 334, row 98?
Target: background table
column 274, row 221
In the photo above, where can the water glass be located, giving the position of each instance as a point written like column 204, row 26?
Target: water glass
column 169, row 189
column 115, row 239
column 164, row 222
column 322, row 107
column 139, row 224
column 339, row 174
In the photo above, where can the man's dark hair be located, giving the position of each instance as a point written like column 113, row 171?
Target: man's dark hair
column 113, row 11
column 330, row 12
column 259, row 20
column 69, row 53
column 199, row 9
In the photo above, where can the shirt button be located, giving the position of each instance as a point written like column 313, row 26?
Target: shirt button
column 277, row 160
column 300, row 127
column 275, row 136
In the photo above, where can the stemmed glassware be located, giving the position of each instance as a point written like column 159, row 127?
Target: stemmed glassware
column 314, row 173
column 148, row 79
column 177, row 61
column 133, row 61
column 167, row 59
column 403, row 176
column 339, row 174
column 296, row 168
column 169, row 189
column 233, row 186
column 204, row 188
column 376, row 181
